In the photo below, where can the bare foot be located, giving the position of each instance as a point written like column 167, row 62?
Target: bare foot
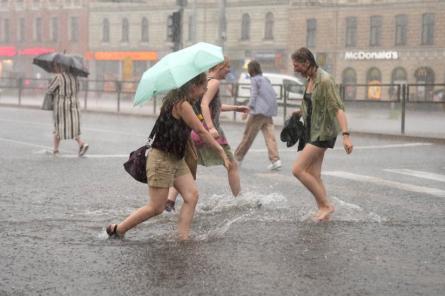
column 324, row 214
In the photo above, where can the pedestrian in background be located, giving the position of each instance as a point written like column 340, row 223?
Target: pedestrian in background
column 262, row 107
column 324, row 117
column 66, row 116
column 166, row 166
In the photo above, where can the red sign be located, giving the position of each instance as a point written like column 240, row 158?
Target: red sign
column 7, row 51
column 12, row 51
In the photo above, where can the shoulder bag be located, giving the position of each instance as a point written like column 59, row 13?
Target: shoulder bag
column 137, row 161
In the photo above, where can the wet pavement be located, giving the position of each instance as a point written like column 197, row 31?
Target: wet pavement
column 387, row 236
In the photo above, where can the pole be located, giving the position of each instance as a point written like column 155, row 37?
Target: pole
column 222, row 22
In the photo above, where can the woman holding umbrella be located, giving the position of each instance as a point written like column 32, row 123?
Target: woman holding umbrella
column 64, row 87
column 166, row 166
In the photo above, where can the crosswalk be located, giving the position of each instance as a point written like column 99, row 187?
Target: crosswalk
column 416, row 177
column 395, row 184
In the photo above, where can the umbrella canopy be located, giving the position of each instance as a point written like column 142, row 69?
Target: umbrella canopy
column 176, row 68
column 72, row 62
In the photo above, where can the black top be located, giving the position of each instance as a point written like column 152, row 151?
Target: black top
column 171, row 134
column 308, row 100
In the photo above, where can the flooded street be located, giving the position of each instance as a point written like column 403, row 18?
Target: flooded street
column 382, row 240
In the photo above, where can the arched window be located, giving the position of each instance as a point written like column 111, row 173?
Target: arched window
column 374, row 81
column 349, row 79
column 144, row 29
column 245, row 27
column 125, row 30
column 106, row 30
column 398, row 76
column 424, row 77
column 269, row 24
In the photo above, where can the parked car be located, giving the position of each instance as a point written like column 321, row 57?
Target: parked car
column 284, row 85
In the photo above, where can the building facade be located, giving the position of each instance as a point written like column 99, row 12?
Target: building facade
column 375, row 42
column 32, row 27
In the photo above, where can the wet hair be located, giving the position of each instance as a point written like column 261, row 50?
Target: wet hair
column 254, row 68
column 182, row 93
column 221, row 65
column 304, row 55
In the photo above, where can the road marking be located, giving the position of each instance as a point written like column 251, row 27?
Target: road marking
column 380, row 181
column 83, row 128
column 47, row 150
column 406, row 145
column 25, row 143
column 94, row 156
column 418, row 174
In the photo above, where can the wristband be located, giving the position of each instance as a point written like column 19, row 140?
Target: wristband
column 345, row 133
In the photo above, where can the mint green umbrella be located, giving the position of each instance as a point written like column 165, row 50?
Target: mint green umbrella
column 176, row 68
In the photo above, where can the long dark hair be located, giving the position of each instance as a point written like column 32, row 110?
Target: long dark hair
column 182, row 93
column 304, row 55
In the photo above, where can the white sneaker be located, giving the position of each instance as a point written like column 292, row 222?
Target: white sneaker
column 276, row 165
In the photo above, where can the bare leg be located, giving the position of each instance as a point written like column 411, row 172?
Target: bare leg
column 307, row 169
column 79, row 141
column 315, row 170
column 234, row 179
column 186, row 186
column 172, row 194
column 154, row 207
column 56, row 143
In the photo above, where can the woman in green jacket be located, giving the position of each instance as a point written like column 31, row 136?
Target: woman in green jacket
column 324, row 117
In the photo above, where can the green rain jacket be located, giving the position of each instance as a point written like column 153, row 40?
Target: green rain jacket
column 325, row 104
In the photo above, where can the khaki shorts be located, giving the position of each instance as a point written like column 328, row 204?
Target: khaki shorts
column 162, row 168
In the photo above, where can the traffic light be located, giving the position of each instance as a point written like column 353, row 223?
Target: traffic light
column 174, row 29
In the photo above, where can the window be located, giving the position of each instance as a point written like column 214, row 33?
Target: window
column 6, row 31
column 398, row 76
column 311, row 30
column 125, row 30
column 401, row 29
column 375, row 31
column 106, row 30
column 428, row 29
column 245, row 27
column 144, row 30
column 425, row 77
column 374, row 81
column 74, row 29
column 54, row 29
column 269, row 24
column 38, row 29
column 351, row 32
column 21, row 30
column 349, row 80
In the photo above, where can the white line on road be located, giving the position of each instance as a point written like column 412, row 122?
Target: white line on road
column 25, row 143
column 83, row 128
column 418, row 174
column 406, row 145
column 380, row 181
column 95, row 155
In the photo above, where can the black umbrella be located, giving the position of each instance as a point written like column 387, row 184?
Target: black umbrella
column 73, row 63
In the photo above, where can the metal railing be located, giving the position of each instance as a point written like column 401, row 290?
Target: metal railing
column 114, row 94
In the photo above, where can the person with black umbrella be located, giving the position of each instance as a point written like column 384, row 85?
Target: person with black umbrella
column 64, row 88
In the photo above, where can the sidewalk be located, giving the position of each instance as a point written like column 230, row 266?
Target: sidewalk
column 421, row 121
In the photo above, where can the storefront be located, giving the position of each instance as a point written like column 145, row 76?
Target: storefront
column 120, row 65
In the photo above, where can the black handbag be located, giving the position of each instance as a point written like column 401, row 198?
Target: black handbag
column 48, row 102
column 137, row 161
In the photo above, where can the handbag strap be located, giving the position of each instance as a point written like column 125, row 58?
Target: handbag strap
column 152, row 135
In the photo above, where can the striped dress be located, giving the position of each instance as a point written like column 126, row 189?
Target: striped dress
column 65, row 87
